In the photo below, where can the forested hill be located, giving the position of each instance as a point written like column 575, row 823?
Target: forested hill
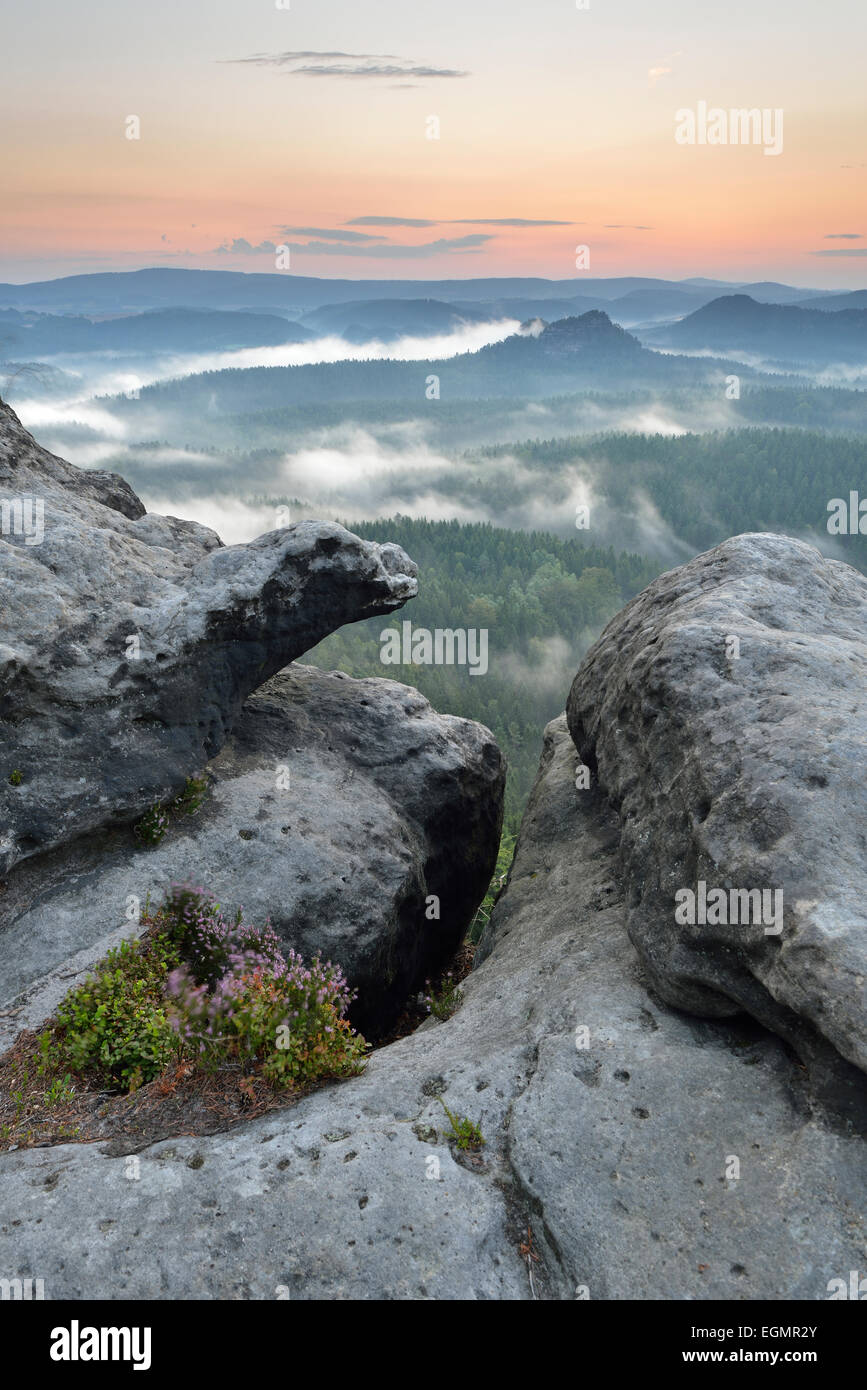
column 573, row 353
column 706, row 487
column 542, row 600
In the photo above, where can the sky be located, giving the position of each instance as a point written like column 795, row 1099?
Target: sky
column 308, row 124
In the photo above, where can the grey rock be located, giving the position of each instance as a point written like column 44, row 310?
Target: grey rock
column 96, row 733
column 336, row 808
column 616, row 1154
column 745, row 772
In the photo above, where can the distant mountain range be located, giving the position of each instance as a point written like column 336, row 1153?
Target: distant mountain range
column 168, row 287
column 35, row 335
column 783, row 332
column 360, row 321
column 830, row 303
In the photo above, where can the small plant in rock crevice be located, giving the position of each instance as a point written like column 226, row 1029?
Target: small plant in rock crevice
column 467, row 1134
column 446, row 1001
column 191, row 798
column 152, row 827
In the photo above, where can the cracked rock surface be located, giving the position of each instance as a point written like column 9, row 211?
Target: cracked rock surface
column 616, row 1152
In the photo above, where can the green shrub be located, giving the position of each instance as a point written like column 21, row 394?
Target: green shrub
column 116, row 1021
column 16, row 777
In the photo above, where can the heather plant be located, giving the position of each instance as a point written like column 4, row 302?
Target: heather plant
column 207, row 940
column 279, row 1011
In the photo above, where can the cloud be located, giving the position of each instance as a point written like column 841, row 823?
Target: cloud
column 390, row 222
column 655, row 73
column 843, row 236
column 507, row 222
column 330, row 234
column 300, row 55
column 373, row 70
column 628, row 226
column 474, row 242
column 842, row 251
column 312, row 63
column 458, row 222
column 242, row 247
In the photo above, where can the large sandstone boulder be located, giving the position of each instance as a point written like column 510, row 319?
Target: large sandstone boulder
column 128, row 642
column 724, row 711
column 616, row 1145
column 361, row 822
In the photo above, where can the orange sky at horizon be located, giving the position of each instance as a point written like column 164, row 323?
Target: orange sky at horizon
column 568, row 116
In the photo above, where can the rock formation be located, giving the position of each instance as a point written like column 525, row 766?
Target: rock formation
column 130, row 641
column 724, row 711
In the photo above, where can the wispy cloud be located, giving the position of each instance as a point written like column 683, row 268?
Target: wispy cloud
column 331, row 234
column 301, row 55
column 315, row 63
column 373, row 70
column 394, row 250
column 627, row 227
column 506, row 222
column 458, row 222
column 842, row 251
column 390, row 222
column 843, row 236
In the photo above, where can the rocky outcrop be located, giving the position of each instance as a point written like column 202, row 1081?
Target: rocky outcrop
column 130, row 641
column 653, row 1154
column 361, row 822
column 724, row 712
column 649, row 1131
